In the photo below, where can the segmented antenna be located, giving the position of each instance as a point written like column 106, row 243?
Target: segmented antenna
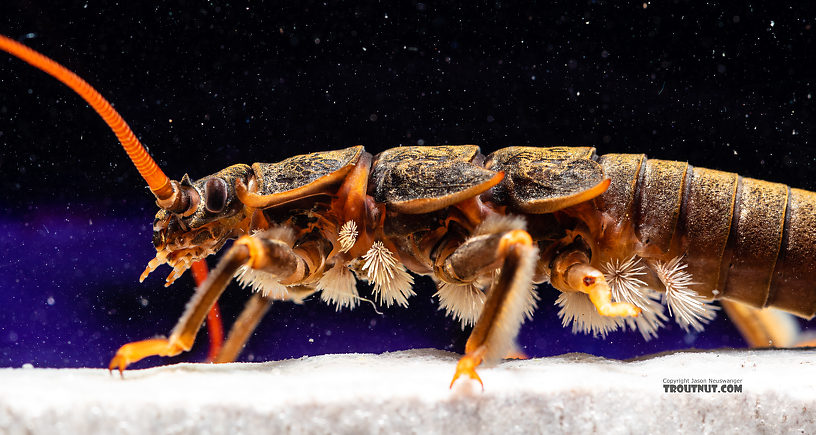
column 147, row 167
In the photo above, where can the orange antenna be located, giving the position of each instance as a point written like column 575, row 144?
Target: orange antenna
column 147, row 167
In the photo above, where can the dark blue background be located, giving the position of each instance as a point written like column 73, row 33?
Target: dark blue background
column 719, row 86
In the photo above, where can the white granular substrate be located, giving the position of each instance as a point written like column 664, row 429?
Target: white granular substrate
column 407, row 392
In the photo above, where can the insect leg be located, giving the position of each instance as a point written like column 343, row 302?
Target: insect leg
column 215, row 329
column 509, row 298
column 762, row 327
column 571, row 272
column 271, row 256
column 253, row 312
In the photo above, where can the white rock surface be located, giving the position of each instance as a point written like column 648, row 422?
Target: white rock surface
column 407, row 392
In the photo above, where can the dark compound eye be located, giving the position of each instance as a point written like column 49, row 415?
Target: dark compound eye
column 215, row 195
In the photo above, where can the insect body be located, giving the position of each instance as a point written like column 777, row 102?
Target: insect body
column 620, row 236
column 615, row 233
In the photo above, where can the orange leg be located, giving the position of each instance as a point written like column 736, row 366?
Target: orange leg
column 271, row 256
column 215, row 329
column 571, row 272
column 252, row 314
column 467, row 365
column 183, row 335
column 763, row 327
column 806, row 343
column 508, row 301
column 516, row 353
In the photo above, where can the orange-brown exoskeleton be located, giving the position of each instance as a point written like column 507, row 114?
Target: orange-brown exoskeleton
column 627, row 241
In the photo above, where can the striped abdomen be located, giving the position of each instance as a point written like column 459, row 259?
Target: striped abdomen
column 747, row 240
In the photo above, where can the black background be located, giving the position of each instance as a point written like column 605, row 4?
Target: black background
column 206, row 85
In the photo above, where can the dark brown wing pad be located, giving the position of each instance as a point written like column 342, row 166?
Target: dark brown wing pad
column 298, row 177
column 544, row 180
column 416, row 180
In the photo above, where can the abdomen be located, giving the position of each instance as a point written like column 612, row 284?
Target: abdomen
column 743, row 239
